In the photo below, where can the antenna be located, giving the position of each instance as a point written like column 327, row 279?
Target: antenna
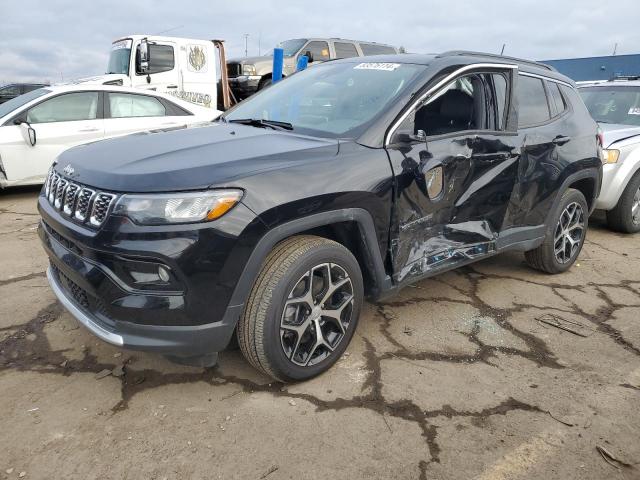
column 246, row 38
column 168, row 30
column 502, row 51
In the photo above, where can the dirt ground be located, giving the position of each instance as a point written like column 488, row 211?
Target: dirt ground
column 458, row 377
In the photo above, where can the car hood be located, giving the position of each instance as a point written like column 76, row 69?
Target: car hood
column 615, row 132
column 251, row 60
column 188, row 158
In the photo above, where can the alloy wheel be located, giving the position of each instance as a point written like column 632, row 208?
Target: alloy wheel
column 317, row 314
column 569, row 233
column 635, row 208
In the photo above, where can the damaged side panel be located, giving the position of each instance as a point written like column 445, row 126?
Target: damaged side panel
column 464, row 220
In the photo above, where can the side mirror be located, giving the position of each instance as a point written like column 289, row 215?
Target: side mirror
column 28, row 133
column 143, row 57
column 309, row 55
column 410, row 137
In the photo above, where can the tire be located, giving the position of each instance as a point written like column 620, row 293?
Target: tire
column 625, row 217
column 269, row 328
column 264, row 83
column 563, row 241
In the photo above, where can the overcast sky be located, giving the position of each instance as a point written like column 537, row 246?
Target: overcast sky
column 58, row 39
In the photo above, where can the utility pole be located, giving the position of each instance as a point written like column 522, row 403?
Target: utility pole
column 615, row 49
column 246, row 39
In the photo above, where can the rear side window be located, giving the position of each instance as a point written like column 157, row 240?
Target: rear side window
column 373, row 49
column 65, row 108
column 558, row 104
column 162, row 59
column 345, row 50
column 319, row 50
column 532, row 101
column 124, row 105
column 500, row 98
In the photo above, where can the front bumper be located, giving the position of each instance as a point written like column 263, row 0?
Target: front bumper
column 245, row 85
column 87, row 270
column 615, row 177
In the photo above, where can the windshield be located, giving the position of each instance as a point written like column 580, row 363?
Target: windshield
column 291, row 47
column 613, row 104
column 119, row 57
column 331, row 100
column 15, row 103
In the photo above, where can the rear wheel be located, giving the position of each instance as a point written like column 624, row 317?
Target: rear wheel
column 564, row 237
column 303, row 309
column 625, row 217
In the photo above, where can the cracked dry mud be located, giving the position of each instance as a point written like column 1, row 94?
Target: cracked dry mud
column 455, row 378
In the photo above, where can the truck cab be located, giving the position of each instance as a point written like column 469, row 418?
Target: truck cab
column 182, row 67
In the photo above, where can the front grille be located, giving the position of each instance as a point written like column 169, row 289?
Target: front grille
column 70, row 198
column 78, row 293
column 101, row 206
column 78, row 202
column 68, row 244
column 234, row 70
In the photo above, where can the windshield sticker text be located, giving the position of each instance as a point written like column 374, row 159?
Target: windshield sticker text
column 121, row 44
column 386, row 67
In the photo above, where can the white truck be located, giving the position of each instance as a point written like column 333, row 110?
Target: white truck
column 183, row 67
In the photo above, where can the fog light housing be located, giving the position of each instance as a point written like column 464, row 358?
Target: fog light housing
column 163, row 273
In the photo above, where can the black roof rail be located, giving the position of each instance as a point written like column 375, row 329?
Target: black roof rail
column 533, row 63
column 618, row 78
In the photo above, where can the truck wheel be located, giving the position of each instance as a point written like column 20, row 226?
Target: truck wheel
column 564, row 237
column 303, row 309
column 625, row 217
column 264, row 83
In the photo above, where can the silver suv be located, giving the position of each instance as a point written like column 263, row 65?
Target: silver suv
column 615, row 105
column 250, row 74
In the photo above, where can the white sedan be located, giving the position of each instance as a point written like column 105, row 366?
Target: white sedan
column 37, row 126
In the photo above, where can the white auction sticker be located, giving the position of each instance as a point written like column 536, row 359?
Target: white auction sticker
column 634, row 111
column 387, row 67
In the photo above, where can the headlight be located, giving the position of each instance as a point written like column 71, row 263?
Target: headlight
column 170, row 208
column 248, row 70
column 610, row 156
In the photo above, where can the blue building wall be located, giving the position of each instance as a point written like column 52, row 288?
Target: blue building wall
column 597, row 68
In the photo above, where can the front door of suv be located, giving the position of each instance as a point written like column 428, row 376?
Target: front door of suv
column 455, row 160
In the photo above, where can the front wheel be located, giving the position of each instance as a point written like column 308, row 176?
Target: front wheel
column 303, row 309
column 264, row 83
column 565, row 235
column 625, row 217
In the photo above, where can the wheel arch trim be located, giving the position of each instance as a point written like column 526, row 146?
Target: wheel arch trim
column 358, row 215
column 587, row 173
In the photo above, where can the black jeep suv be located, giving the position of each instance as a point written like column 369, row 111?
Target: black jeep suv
column 355, row 177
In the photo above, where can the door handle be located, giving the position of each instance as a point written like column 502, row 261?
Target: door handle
column 561, row 140
column 86, row 130
column 172, row 86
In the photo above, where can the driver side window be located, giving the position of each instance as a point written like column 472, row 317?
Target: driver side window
column 319, row 50
column 472, row 102
column 69, row 107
